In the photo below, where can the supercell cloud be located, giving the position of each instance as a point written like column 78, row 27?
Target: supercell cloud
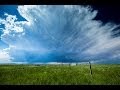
column 58, row 33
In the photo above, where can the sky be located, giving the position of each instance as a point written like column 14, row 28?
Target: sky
column 59, row 33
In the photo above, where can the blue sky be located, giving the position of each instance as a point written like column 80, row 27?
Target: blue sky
column 56, row 33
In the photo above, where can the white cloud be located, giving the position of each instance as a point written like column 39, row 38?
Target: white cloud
column 104, row 45
column 11, row 25
column 67, row 30
column 4, row 57
column 19, row 62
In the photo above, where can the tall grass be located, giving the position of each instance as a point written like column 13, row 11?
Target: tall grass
column 59, row 75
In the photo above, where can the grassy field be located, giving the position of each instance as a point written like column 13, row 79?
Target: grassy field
column 59, row 75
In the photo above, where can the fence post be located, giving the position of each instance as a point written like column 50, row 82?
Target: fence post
column 90, row 68
column 69, row 64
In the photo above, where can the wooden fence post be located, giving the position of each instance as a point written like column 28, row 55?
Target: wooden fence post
column 90, row 68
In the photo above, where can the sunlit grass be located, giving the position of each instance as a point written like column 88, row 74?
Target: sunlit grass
column 59, row 75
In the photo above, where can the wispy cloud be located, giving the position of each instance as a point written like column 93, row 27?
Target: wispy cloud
column 54, row 32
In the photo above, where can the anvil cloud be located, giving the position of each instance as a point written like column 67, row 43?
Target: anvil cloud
column 58, row 33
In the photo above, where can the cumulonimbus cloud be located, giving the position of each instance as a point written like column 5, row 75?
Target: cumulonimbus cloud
column 59, row 32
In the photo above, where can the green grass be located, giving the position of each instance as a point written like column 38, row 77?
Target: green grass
column 59, row 75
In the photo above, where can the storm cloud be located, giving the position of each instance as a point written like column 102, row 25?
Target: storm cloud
column 59, row 33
